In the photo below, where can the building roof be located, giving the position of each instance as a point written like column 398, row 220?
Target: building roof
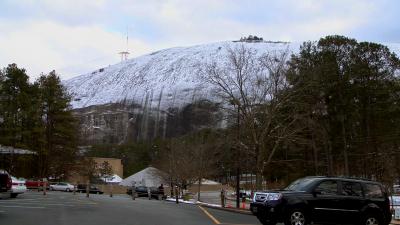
column 149, row 177
column 12, row 150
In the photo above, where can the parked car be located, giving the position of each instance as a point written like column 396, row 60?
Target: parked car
column 92, row 189
column 324, row 200
column 5, row 184
column 18, row 187
column 142, row 191
column 396, row 189
column 62, row 186
column 36, row 184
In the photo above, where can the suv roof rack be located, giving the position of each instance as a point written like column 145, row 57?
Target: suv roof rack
column 345, row 177
column 356, row 178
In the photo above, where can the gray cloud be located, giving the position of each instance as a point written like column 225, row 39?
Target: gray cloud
column 75, row 36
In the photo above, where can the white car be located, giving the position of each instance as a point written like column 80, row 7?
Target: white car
column 62, row 186
column 18, row 187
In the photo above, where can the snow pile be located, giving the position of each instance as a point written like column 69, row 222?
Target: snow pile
column 207, row 182
column 115, row 179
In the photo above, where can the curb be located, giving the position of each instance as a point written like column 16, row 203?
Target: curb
column 241, row 211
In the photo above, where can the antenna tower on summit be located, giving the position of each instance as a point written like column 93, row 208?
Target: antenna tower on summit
column 124, row 54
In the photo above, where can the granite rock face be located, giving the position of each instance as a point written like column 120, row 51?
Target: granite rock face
column 117, row 123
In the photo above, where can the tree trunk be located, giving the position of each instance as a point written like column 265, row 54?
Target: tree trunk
column 87, row 188
column 199, row 189
column 237, row 187
column 328, row 152
column 344, row 139
column 315, row 153
column 259, row 168
column 176, row 194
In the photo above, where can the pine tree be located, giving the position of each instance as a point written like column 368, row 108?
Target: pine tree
column 15, row 102
column 351, row 92
column 59, row 151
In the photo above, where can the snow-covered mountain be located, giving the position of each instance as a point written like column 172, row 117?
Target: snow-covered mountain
column 160, row 93
column 166, row 78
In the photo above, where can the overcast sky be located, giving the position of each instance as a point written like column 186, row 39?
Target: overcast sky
column 77, row 36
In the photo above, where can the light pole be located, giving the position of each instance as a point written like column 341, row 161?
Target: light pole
column 238, row 157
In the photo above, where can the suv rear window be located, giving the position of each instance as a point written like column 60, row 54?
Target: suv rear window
column 300, row 184
column 329, row 187
column 351, row 189
column 373, row 191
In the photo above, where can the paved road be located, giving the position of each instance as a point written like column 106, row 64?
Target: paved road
column 58, row 208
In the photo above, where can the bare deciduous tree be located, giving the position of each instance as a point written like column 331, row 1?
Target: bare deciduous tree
column 189, row 159
column 251, row 86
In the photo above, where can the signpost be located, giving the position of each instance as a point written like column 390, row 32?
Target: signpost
column 44, row 185
column 133, row 190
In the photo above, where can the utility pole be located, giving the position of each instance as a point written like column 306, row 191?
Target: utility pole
column 238, row 159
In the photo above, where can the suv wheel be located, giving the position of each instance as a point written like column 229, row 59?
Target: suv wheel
column 370, row 219
column 296, row 217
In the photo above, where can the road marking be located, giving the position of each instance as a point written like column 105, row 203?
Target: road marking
column 236, row 224
column 35, row 203
column 210, row 216
column 31, row 201
column 18, row 206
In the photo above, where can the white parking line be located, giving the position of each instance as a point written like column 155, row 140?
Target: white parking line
column 26, row 207
column 31, row 201
column 35, row 203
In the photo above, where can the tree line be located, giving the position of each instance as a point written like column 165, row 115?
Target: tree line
column 37, row 116
column 330, row 109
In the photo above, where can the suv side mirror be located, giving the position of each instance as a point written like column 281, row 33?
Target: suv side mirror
column 316, row 192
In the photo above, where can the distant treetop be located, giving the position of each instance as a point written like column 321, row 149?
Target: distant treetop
column 251, row 38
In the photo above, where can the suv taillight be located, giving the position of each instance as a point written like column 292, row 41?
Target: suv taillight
column 9, row 183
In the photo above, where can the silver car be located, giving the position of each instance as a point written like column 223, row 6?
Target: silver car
column 62, row 186
column 18, row 187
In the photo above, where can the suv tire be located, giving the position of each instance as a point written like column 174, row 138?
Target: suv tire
column 371, row 219
column 296, row 217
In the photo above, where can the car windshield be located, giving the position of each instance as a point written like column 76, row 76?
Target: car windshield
column 299, row 185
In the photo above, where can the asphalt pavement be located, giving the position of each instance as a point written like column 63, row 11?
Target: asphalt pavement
column 60, row 208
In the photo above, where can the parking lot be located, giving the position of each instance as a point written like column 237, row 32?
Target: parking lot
column 66, row 208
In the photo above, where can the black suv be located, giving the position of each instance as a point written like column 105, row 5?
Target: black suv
column 324, row 200
column 92, row 189
column 142, row 191
column 5, row 184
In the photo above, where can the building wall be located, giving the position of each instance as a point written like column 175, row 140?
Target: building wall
column 116, row 166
